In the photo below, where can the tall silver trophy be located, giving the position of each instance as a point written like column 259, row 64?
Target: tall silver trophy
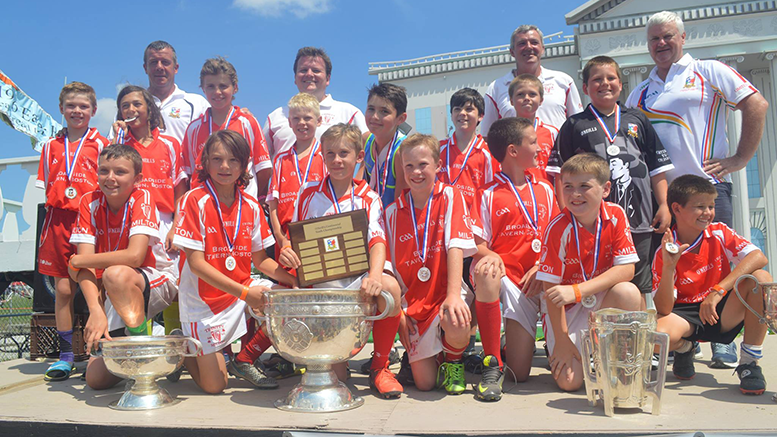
column 318, row 328
column 621, row 344
column 144, row 359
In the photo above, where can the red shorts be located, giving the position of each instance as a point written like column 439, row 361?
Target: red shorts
column 54, row 248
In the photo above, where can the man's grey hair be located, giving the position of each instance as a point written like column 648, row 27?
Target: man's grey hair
column 665, row 17
column 523, row 28
column 159, row 45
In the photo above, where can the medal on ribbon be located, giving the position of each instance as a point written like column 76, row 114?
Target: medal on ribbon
column 612, row 149
column 536, row 243
column 226, row 122
column 381, row 187
column 452, row 146
column 121, row 230
column 424, row 274
column 230, row 263
column 311, row 156
column 70, row 191
column 335, row 200
column 588, row 301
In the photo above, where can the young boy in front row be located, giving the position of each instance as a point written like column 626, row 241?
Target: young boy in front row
column 509, row 218
column 67, row 170
column 119, row 249
column 693, row 282
column 429, row 236
column 526, row 94
column 586, row 263
column 339, row 192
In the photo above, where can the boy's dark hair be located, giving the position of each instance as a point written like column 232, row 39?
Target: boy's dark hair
column 684, row 187
column 159, row 45
column 78, row 88
column 155, row 119
column 395, row 94
column 314, row 52
column 126, row 152
column 600, row 61
column 468, row 95
column 590, row 163
column 348, row 133
column 504, row 132
column 526, row 78
column 235, row 144
column 218, row 65
column 429, row 142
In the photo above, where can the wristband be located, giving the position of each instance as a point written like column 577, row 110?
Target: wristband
column 244, row 293
column 288, row 246
column 578, row 295
column 70, row 263
column 718, row 289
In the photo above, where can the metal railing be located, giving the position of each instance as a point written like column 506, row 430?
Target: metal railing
column 15, row 315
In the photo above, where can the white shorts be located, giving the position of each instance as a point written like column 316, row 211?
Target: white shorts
column 516, row 306
column 577, row 320
column 165, row 224
column 162, row 290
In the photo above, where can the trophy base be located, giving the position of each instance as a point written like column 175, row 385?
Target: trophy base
column 130, row 401
column 319, row 392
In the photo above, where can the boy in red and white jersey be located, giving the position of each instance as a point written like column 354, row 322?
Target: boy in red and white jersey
column 692, row 280
column 429, row 236
column 586, row 262
column 218, row 79
column 67, row 170
column 526, row 96
column 119, row 249
column 509, row 218
column 339, row 192
column 294, row 167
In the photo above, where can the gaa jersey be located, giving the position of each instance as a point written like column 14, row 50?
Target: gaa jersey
column 640, row 156
column 689, row 111
column 317, row 200
column 200, row 228
column 546, row 138
column 246, row 125
column 498, row 219
column 161, row 168
column 382, row 174
column 467, row 170
column 449, row 227
column 561, row 257
column 288, row 176
column 52, row 169
column 697, row 273
column 560, row 101
column 109, row 231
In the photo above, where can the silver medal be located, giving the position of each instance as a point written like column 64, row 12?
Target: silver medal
column 589, row 301
column 230, row 263
column 613, row 150
column 536, row 245
column 672, row 248
column 424, row 274
column 71, row 193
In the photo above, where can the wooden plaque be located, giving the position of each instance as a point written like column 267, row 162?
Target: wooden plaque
column 331, row 247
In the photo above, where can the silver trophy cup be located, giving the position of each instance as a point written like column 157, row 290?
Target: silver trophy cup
column 769, row 316
column 144, row 359
column 621, row 344
column 318, row 328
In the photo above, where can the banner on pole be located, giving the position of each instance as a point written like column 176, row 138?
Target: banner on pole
column 24, row 114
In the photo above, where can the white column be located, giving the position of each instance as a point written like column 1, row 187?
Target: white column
column 767, row 159
column 634, row 76
column 739, row 194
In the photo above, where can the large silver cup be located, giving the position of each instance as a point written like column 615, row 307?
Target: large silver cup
column 621, row 344
column 144, row 359
column 318, row 328
column 769, row 316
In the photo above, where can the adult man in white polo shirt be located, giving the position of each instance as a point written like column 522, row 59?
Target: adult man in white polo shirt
column 561, row 97
column 312, row 71
column 688, row 102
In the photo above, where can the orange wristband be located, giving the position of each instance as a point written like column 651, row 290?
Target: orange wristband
column 70, row 263
column 288, row 246
column 578, row 295
column 720, row 290
column 244, row 293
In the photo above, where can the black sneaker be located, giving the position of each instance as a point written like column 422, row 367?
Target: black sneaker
column 751, row 379
column 473, row 363
column 405, row 374
column 250, row 373
column 490, row 387
column 367, row 365
column 682, row 367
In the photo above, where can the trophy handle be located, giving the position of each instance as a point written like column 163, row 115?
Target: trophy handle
column 386, row 311
column 587, row 350
column 97, row 349
column 197, row 346
column 262, row 319
column 761, row 318
column 656, row 387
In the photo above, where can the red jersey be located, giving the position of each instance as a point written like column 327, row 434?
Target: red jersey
column 52, row 169
column 449, row 227
column 697, row 273
column 498, row 219
column 246, row 125
column 110, row 232
column 561, row 259
column 546, row 138
column 161, row 168
column 478, row 170
column 200, row 228
column 289, row 175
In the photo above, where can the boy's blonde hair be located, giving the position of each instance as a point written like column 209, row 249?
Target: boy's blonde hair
column 421, row 140
column 589, row 163
column 526, row 78
column 347, row 133
column 218, row 65
column 305, row 101
column 78, row 88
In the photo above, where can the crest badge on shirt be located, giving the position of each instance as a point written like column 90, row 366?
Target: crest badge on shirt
column 690, row 82
column 175, row 113
column 633, row 130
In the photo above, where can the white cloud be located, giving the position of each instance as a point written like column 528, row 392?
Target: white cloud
column 106, row 113
column 274, row 8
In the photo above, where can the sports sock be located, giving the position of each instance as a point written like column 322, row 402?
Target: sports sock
column 66, row 346
column 684, row 347
column 383, row 334
column 141, row 329
column 452, row 354
column 490, row 321
column 253, row 349
column 750, row 353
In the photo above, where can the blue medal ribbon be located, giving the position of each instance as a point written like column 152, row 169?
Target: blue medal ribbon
column 230, row 243
column 381, row 188
column 610, row 136
column 226, row 123
column 535, row 222
column 70, row 166
column 598, row 239
column 310, row 160
column 335, row 200
column 693, row 245
column 451, row 146
column 123, row 223
column 421, row 247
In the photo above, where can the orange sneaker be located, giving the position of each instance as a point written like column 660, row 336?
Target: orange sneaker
column 385, row 383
